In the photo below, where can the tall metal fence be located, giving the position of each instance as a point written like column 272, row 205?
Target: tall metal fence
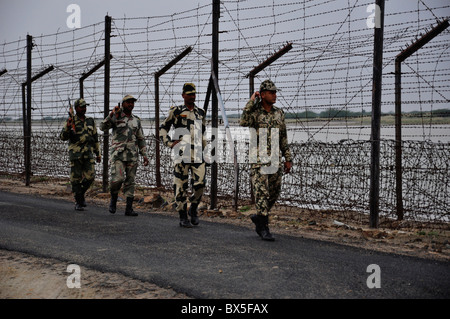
column 326, row 93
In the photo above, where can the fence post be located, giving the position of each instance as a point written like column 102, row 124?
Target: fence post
column 398, row 139
column 398, row 107
column 84, row 76
column 157, row 142
column 215, row 102
column 27, row 118
column 25, row 126
column 106, row 101
column 26, row 108
column 232, row 145
column 251, row 75
column 374, row 200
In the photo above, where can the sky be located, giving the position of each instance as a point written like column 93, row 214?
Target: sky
column 40, row 17
column 46, row 17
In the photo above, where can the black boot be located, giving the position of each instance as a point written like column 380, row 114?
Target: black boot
column 84, row 187
column 265, row 233
column 262, row 227
column 129, row 209
column 113, row 203
column 83, row 200
column 255, row 220
column 184, row 221
column 78, row 202
column 193, row 213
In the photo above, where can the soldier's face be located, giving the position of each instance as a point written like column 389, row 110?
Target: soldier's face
column 270, row 97
column 81, row 110
column 128, row 105
column 189, row 99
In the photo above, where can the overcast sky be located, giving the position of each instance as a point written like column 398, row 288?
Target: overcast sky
column 40, row 17
column 48, row 17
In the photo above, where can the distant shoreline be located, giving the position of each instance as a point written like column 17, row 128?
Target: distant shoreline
column 350, row 121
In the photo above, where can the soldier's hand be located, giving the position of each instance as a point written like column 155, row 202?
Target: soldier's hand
column 115, row 111
column 207, row 160
column 145, row 161
column 69, row 122
column 255, row 96
column 287, row 167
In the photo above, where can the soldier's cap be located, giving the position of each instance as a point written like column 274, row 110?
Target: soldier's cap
column 268, row 85
column 129, row 97
column 189, row 88
column 80, row 102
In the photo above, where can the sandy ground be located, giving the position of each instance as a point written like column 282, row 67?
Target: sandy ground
column 23, row 276
column 27, row 277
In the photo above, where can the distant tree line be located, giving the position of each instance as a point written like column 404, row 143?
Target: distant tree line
column 338, row 113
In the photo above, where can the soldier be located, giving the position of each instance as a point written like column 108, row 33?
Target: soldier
column 127, row 142
column 189, row 123
column 260, row 113
column 81, row 133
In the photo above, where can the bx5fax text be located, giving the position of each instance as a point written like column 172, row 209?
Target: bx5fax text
column 243, row 308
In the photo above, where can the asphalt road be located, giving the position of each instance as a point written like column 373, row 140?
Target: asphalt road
column 213, row 260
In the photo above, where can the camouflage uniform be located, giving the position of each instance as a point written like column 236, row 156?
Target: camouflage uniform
column 188, row 153
column 266, row 186
column 127, row 142
column 83, row 144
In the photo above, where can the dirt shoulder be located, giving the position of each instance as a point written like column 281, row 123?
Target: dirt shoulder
column 24, row 276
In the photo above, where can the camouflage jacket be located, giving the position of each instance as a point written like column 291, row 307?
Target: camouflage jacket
column 83, row 143
column 128, row 136
column 256, row 117
column 189, row 122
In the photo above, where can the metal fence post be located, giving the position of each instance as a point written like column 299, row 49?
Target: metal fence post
column 398, row 107
column 215, row 102
column 27, row 118
column 106, row 101
column 374, row 200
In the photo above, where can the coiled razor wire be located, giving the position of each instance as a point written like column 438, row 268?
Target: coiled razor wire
column 326, row 176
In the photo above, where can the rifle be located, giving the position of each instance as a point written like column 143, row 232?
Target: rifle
column 71, row 115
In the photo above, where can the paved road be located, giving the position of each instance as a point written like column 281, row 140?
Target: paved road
column 212, row 260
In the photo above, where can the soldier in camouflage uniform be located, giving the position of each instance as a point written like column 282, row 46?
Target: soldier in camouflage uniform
column 83, row 150
column 188, row 143
column 127, row 142
column 260, row 113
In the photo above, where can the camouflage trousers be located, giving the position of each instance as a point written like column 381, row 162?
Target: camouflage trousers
column 82, row 174
column 123, row 172
column 266, row 188
column 181, row 183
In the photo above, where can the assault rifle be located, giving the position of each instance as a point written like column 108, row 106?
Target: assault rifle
column 71, row 115
column 115, row 111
